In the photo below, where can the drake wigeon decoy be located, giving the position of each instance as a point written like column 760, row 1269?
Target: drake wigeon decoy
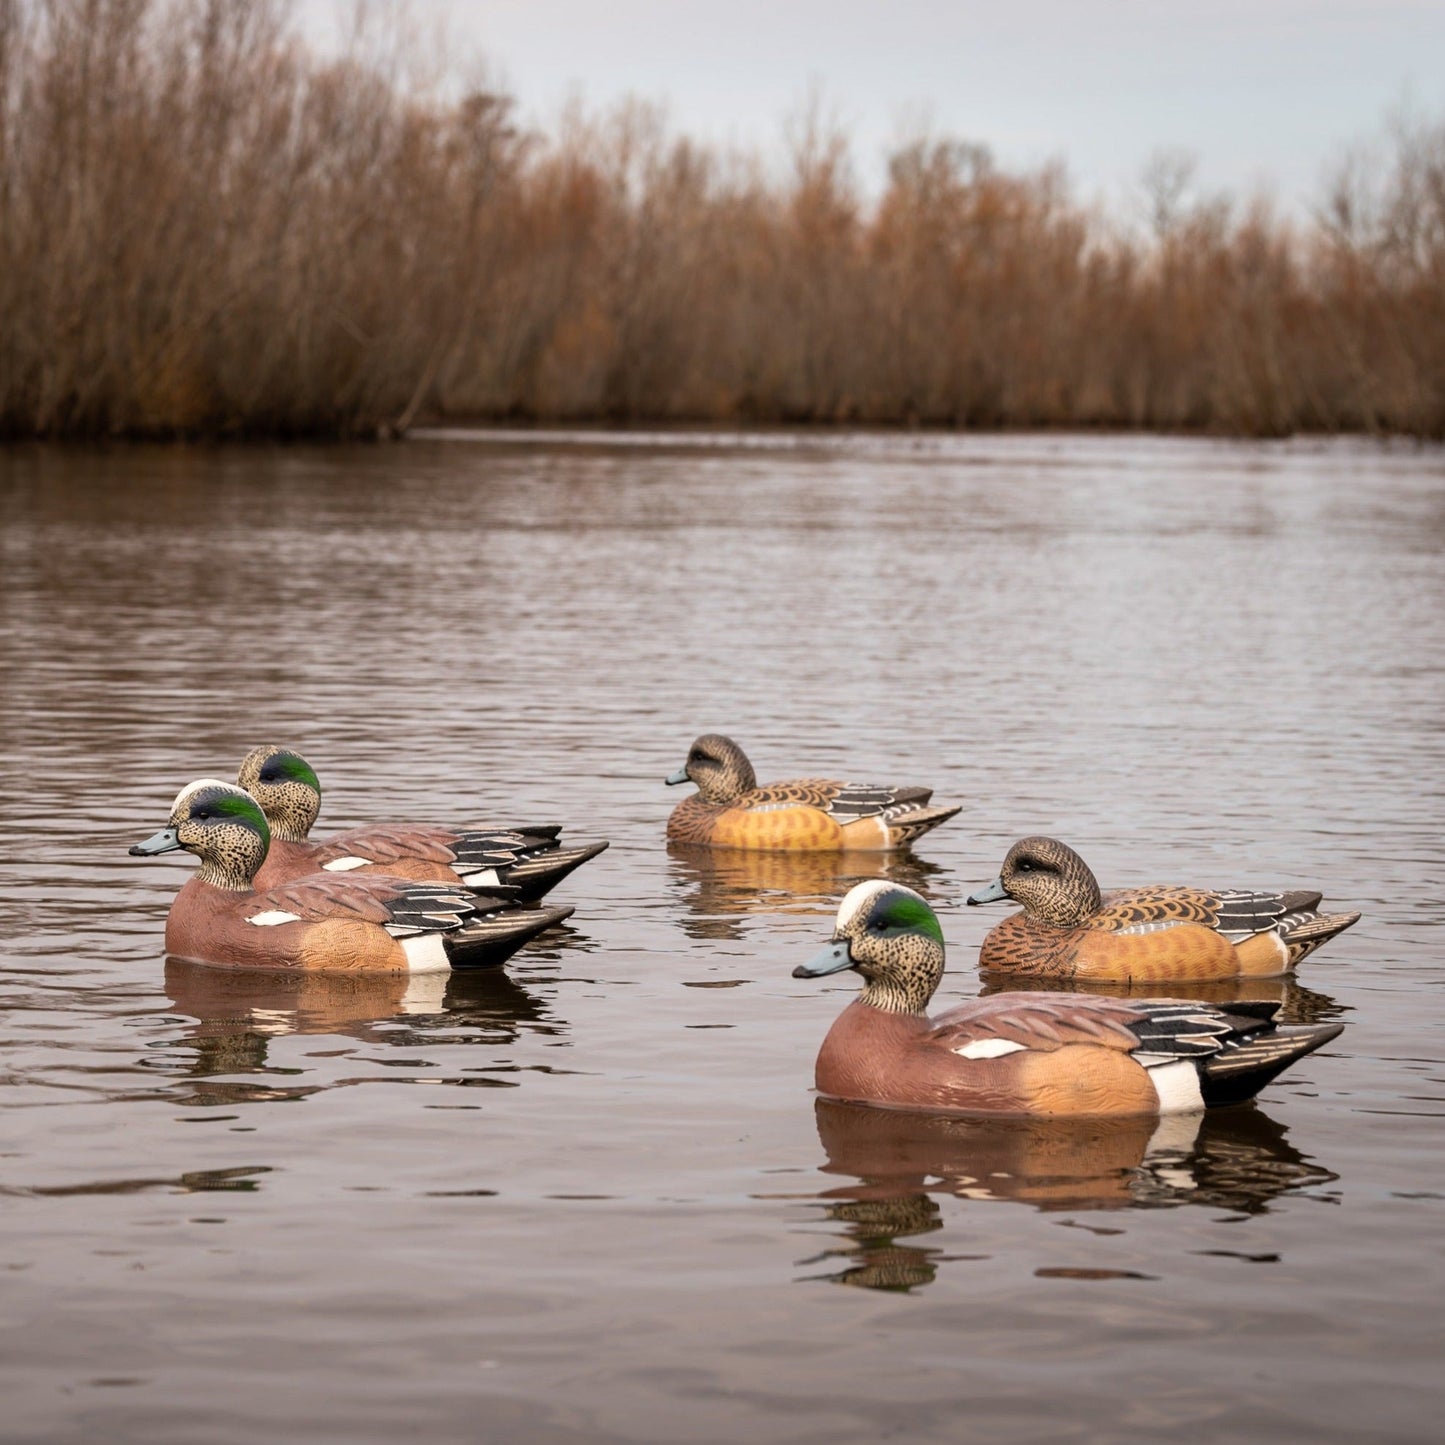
column 1070, row 930
column 1031, row 1053
column 729, row 810
column 528, row 859
column 335, row 921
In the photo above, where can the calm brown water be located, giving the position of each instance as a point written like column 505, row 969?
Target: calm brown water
column 591, row 1198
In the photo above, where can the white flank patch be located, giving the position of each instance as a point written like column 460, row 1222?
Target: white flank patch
column 1177, row 1085
column 345, row 865
column 425, row 953
column 989, row 1049
column 273, row 916
column 487, row 878
column 425, row 993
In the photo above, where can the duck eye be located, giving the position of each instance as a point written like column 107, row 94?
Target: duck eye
column 1025, row 866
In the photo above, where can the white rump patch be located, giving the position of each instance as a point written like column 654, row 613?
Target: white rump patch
column 345, row 865
column 425, row 953
column 989, row 1049
column 273, row 916
column 1177, row 1084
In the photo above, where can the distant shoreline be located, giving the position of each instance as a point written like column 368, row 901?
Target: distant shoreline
column 241, row 238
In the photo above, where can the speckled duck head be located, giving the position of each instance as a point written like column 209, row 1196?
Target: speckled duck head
column 893, row 938
column 719, row 767
column 1049, row 879
column 222, row 825
column 286, row 788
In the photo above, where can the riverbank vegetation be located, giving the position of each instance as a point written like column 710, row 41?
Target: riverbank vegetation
column 208, row 229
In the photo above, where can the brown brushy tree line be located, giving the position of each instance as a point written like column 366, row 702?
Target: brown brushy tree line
column 208, row 229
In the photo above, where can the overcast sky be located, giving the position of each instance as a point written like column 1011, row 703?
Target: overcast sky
column 1264, row 92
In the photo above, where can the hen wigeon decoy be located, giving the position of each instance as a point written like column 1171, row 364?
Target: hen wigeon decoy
column 729, row 810
column 1030, row 1053
column 284, row 783
column 327, row 921
column 1070, row 930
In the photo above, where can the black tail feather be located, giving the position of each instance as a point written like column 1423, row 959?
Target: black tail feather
column 1244, row 1066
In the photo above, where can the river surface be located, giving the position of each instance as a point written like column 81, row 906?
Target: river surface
column 591, row 1197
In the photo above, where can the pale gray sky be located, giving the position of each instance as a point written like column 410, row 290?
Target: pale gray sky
column 1265, row 92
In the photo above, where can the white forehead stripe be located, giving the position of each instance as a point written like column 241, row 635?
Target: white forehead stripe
column 859, row 899
column 989, row 1049
column 203, row 783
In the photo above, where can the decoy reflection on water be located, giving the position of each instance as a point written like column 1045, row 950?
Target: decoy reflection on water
column 1070, row 929
column 902, row 1164
column 526, row 857
column 722, row 886
column 730, row 810
column 239, row 1014
column 276, row 1002
column 1238, row 1159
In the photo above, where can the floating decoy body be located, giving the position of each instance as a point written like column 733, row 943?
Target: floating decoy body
column 529, row 859
column 729, row 810
column 1069, row 929
column 1029, row 1053
column 338, row 922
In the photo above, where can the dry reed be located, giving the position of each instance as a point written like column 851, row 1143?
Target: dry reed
column 207, row 229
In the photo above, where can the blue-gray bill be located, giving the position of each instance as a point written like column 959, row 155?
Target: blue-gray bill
column 994, row 893
column 833, row 959
column 672, row 779
column 163, row 842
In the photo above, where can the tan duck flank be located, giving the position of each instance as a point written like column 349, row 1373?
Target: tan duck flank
column 1033, row 1053
column 327, row 921
column 528, row 859
column 729, row 810
column 1069, row 929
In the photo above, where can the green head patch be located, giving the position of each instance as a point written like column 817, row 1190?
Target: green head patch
column 905, row 912
column 288, row 767
column 221, row 802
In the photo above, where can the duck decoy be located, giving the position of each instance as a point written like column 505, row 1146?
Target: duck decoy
column 326, row 921
column 1069, row 929
column 529, row 859
column 729, row 810
column 1030, row 1053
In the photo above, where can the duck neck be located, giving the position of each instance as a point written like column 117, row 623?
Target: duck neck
column 291, row 812
column 232, row 859
column 1080, row 897
column 907, row 974
column 733, row 778
column 222, row 874
column 890, row 997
